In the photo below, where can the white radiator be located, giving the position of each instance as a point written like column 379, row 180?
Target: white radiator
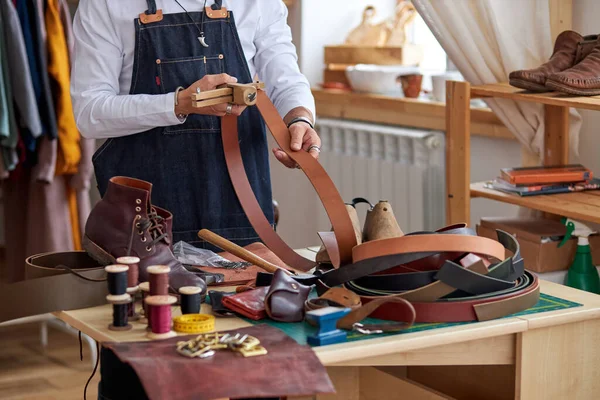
column 378, row 162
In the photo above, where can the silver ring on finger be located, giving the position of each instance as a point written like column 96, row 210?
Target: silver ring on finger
column 314, row 147
column 198, row 90
column 229, row 109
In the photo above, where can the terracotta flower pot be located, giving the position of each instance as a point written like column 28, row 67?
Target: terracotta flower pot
column 411, row 85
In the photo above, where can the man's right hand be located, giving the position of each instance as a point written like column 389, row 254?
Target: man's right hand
column 208, row 82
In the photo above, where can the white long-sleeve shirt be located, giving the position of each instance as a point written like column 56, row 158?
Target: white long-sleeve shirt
column 103, row 62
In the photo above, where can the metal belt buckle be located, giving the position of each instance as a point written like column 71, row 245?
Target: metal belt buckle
column 360, row 328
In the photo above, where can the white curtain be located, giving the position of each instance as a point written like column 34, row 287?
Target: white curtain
column 486, row 40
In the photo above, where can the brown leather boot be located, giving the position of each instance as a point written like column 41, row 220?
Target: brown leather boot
column 124, row 223
column 583, row 79
column 570, row 47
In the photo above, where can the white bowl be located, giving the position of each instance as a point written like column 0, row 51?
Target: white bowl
column 380, row 79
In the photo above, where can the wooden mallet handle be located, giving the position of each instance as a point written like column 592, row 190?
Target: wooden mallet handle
column 238, row 251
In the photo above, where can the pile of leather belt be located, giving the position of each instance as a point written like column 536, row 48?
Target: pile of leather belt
column 421, row 268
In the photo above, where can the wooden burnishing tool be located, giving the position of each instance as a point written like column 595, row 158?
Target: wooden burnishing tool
column 244, row 94
column 239, row 251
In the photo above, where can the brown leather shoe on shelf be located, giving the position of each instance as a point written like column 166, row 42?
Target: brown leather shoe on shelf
column 569, row 48
column 583, row 79
column 125, row 223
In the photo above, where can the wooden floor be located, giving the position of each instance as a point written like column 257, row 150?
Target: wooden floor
column 27, row 371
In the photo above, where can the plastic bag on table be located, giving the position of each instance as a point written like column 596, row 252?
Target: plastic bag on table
column 190, row 255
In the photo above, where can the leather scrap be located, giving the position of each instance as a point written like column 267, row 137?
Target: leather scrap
column 164, row 374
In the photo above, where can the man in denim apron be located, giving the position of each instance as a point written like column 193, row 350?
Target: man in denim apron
column 164, row 61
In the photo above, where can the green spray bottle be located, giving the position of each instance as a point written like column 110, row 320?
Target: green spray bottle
column 582, row 273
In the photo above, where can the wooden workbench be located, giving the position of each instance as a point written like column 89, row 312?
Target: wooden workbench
column 551, row 355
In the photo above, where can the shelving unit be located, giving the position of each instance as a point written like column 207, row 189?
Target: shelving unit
column 582, row 205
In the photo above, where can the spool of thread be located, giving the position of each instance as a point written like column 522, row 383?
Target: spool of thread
column 132, row 283
column 159, row 307
column 158, row 275
column 120, row 317
column 190, row 299
column 116, row 276
column 132, row 273
column 145, row 289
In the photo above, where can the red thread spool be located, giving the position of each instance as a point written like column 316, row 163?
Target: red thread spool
column 132, row 283
column 158, row 275
column 159, row 308
column 134, row 270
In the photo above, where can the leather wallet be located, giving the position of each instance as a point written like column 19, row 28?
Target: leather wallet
column 250, row 304
column 285, row 299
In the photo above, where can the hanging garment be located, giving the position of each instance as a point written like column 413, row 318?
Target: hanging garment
column 69, row 153
column 37, row 207
column 35, row 43
column 185, row 163
column 8, row 142
column 23, row 92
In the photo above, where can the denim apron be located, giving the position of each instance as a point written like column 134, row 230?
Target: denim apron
column 185, row 163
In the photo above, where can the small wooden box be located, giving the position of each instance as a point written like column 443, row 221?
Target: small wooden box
column 538, row 256
column 338, row 58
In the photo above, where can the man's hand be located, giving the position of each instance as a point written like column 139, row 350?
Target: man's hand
column 302, row 137
column 208, row 82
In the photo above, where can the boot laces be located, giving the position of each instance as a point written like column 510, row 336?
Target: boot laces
column 153, row 224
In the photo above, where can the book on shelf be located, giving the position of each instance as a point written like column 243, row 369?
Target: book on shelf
column 546, row 175
column 503, row 186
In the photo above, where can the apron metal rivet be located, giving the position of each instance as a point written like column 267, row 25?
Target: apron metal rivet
column 220, row 56
column 158, row 60
column 138, row 209
column 139, row 201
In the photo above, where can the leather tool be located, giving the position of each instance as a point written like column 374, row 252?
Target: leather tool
column 239, row 251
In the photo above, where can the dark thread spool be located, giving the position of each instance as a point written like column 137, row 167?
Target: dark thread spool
column 158, row 275
column 190, row 299
column 159, row 308
column 120, row 316
column 120, row 310
column 116, row 277
column 133, row 272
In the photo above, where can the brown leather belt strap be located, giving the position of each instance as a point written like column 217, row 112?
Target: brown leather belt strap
column 435, row 242
column 328, row 193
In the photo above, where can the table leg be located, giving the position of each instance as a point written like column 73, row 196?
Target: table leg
column 559, row 362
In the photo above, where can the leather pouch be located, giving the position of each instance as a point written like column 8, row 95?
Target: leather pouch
column 285, row 299
column 250, row 304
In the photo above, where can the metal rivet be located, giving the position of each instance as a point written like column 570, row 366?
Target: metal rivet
column 158, row 60
column 144, row 239
column 138, row 201
column 294, row 286
column 138, row 209
column 138, row 217
column 148, row 248
column 220, row 56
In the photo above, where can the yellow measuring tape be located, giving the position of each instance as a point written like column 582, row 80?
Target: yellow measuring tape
column 194, row 323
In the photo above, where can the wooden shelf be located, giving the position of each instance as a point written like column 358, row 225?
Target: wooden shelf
column 417, row 113
column 581, row 205
column 505, row 91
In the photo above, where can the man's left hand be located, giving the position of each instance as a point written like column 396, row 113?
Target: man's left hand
column 303, row 137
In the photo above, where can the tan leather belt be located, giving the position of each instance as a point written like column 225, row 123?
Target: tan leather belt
column 56, row 281
column 328, row 193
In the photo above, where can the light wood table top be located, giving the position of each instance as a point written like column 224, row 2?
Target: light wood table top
column 94, row 322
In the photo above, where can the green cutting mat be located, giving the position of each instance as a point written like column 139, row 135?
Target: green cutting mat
column 300, row 330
